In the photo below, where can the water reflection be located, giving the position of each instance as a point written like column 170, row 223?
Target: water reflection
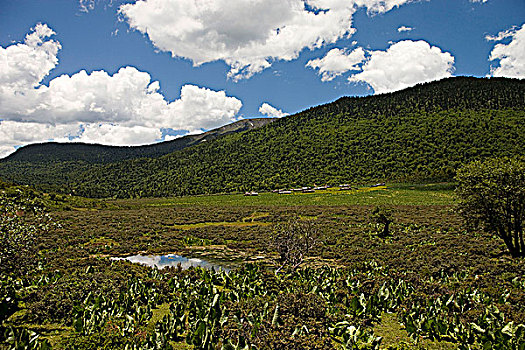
column 162, row 261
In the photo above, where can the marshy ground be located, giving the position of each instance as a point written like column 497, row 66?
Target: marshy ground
column 452, row 276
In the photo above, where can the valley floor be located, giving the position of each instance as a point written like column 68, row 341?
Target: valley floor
column 430, row 284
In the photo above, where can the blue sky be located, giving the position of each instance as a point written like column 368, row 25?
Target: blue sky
column 220, row 60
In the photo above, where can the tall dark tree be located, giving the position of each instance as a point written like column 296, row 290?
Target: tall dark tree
column 492, row 197
column 382, row 217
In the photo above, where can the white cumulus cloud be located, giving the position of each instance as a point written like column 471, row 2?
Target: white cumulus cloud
column 510, row 57
column 337, row 62
column 16, row 133
column 405, row 29
column 123, row 108
column 118, row 135
column 271, row 111
column 24, row 65
column 246, row 35
column 404, row 64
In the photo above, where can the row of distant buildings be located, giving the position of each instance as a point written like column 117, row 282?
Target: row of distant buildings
column 306, row 189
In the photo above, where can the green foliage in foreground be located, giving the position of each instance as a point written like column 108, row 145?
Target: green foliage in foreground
column 493, row 197
column 251, row 308
column 18, row 258
column 424, row 133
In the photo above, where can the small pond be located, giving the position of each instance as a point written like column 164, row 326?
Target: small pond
column 162, row 261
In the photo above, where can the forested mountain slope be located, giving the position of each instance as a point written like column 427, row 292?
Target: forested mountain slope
column 53, row 165
column 422, row 133
column 50, row 152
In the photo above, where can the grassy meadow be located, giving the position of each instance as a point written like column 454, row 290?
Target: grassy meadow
column 396, row 194
column 431, row 284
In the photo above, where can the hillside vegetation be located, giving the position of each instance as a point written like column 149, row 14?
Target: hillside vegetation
column 51, row 165
column 419, row 134
column 52, row 152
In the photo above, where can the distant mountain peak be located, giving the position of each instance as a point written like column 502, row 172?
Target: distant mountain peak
column 96, row 153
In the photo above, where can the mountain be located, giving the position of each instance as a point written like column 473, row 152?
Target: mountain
column 53, row 166
column 92, row 153
column 423, row 133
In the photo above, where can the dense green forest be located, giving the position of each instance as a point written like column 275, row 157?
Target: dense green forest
column 423, row 133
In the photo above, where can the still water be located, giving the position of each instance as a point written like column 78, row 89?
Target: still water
column 162, row 261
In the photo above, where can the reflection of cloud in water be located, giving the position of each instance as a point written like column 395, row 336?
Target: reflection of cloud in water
column 162, row 261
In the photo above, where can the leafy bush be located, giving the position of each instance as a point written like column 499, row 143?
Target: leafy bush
column 382, row 216
column 492, row 196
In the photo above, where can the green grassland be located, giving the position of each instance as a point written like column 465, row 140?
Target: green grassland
column 431, row 285
column 395, row 194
